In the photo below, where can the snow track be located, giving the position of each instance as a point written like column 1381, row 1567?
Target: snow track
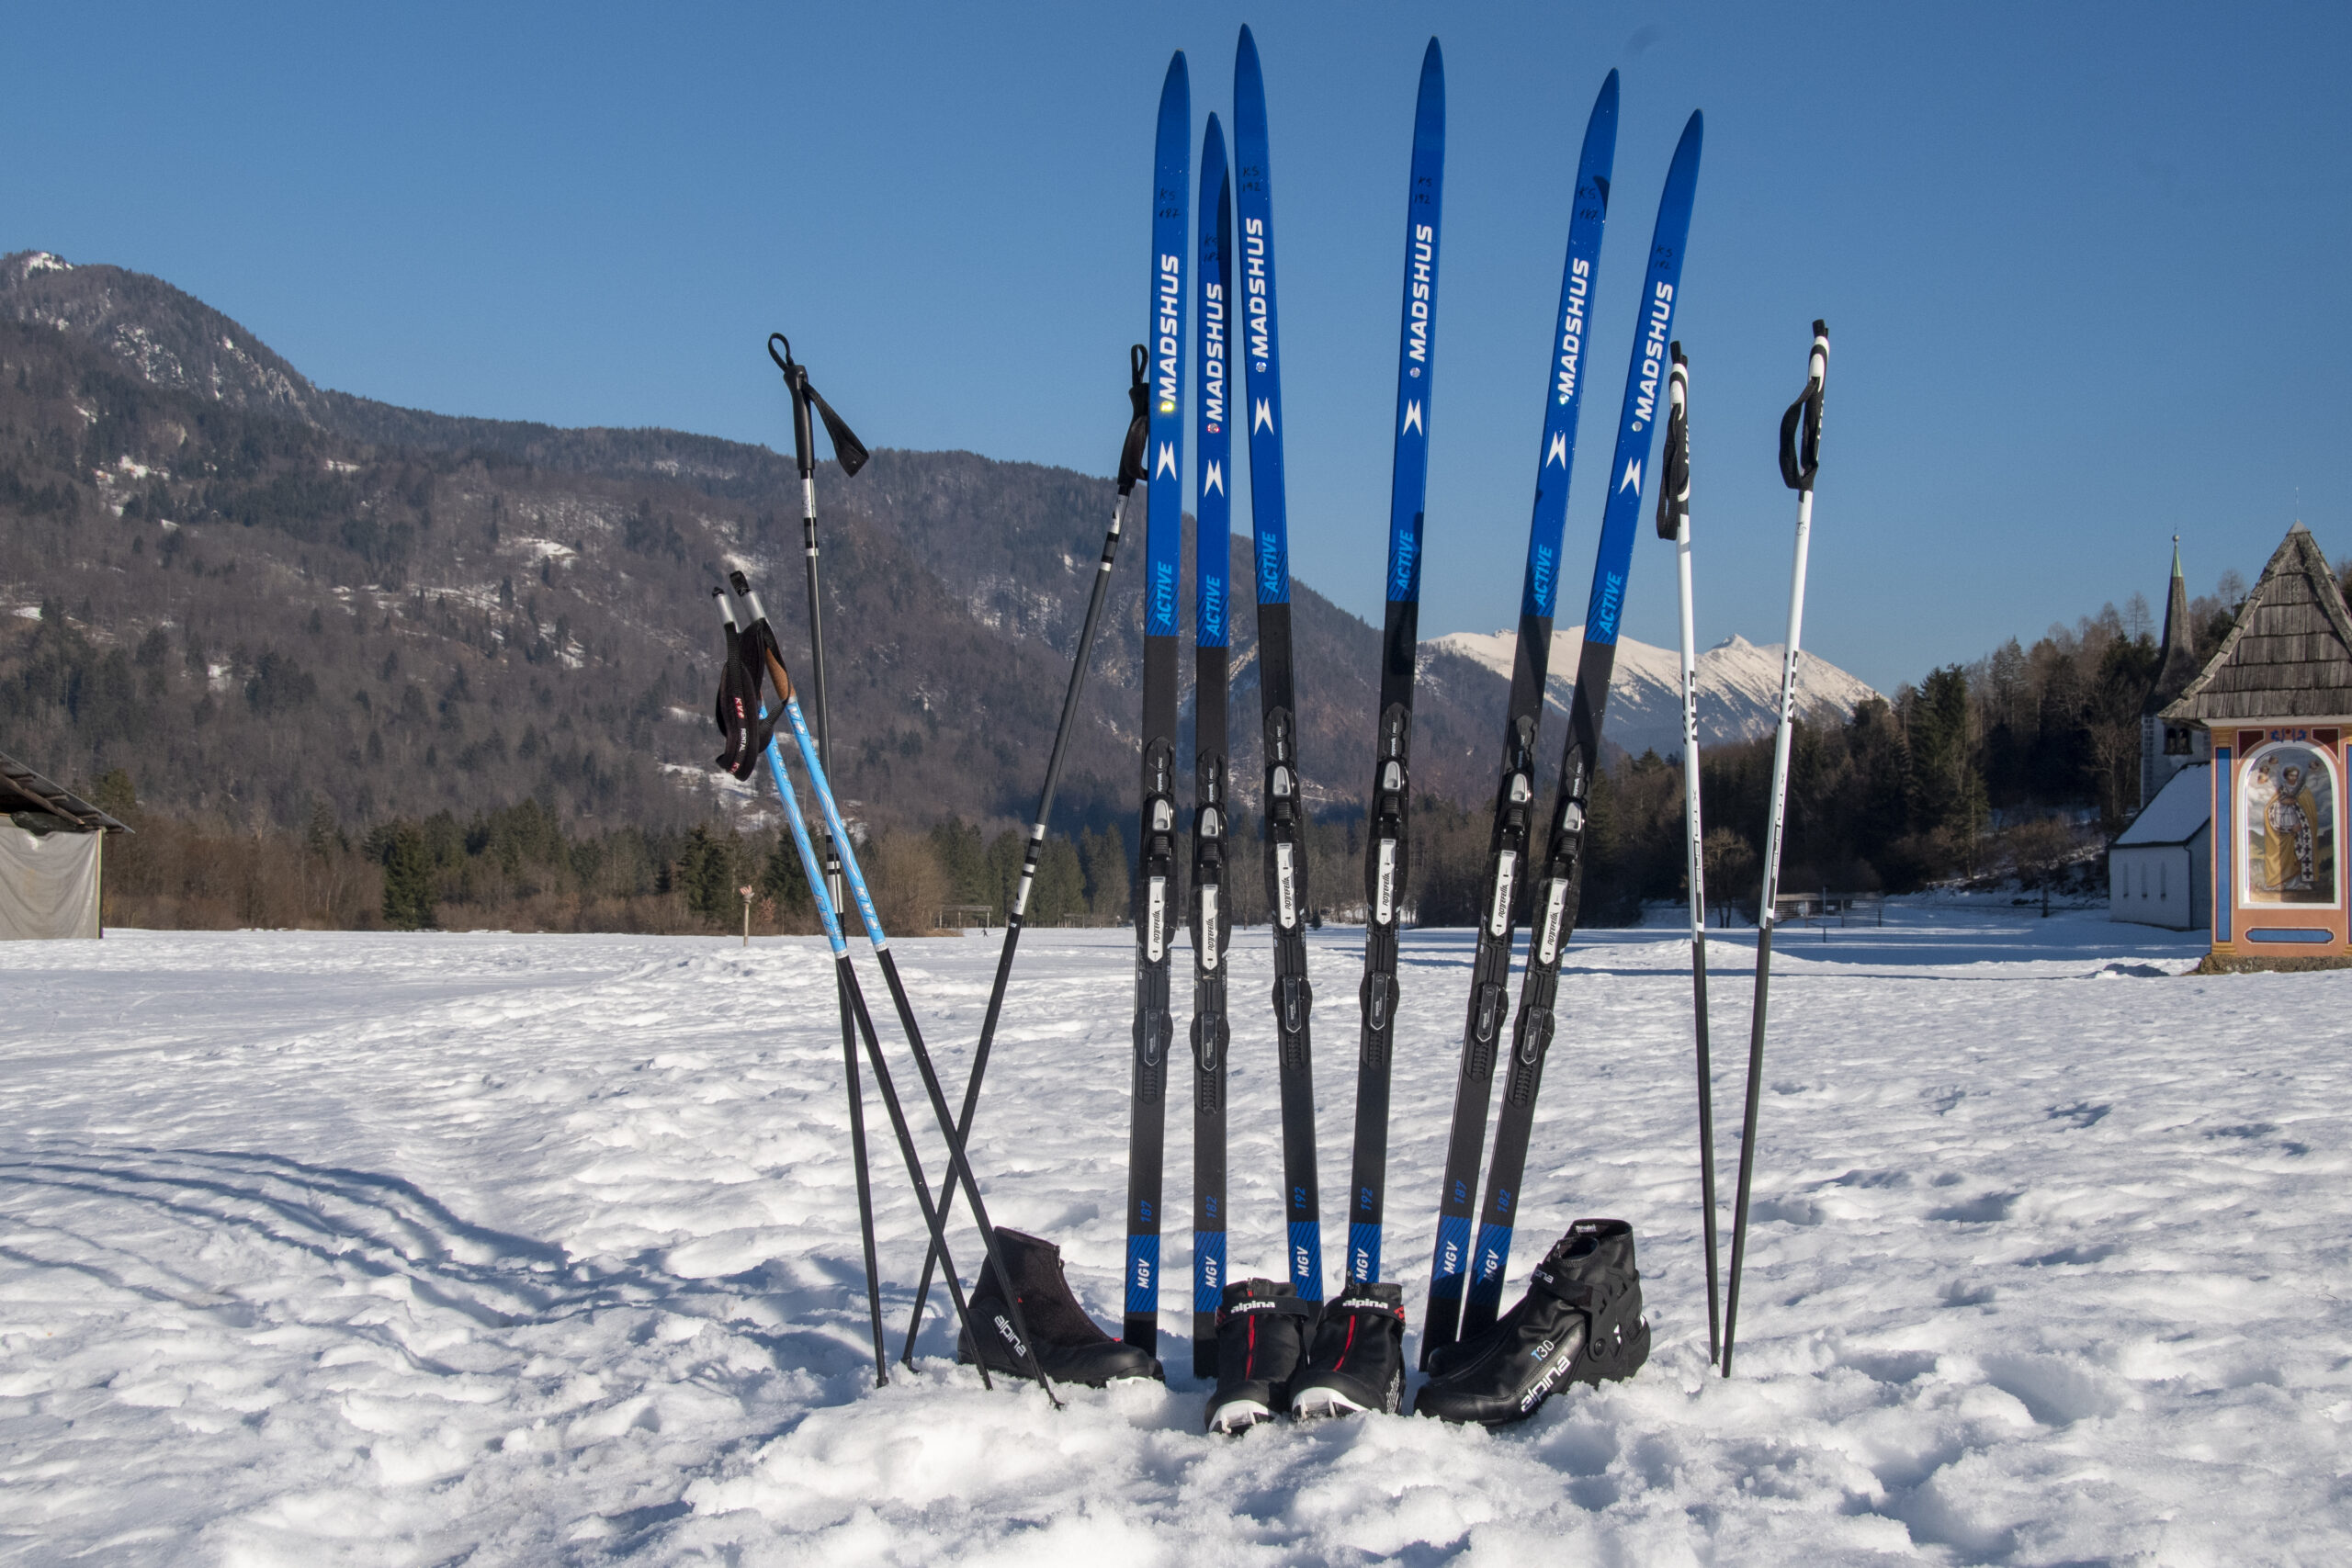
column 437, row 1249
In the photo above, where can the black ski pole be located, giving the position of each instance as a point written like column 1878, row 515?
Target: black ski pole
column 1674, row 523
column 1800, row 457
column 851, row 454
column 1131, row 473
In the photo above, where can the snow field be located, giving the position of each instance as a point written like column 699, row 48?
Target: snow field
column 320, row 1249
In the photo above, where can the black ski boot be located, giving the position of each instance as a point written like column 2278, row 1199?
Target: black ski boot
column 1261, row 1333
column 1358, row 1362
column 1580, row 1322
column 1069, row 1345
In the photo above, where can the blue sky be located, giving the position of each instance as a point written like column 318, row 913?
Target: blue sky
column 2083, row 265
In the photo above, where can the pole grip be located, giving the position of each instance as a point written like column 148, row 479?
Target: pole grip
column 1801, row 426
column 1674, row 491
column 1131, row 456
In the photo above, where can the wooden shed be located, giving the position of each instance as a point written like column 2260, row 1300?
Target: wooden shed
column 51, row 855
column 2275, row 703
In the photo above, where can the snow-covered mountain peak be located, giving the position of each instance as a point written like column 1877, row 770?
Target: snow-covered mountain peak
column 1739, row 686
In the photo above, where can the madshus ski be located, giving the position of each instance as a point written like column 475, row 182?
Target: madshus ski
column 1390, row 796
column 1559, row 876
column 1211, row 930
column 1515, row 793
column 1284, row 811
column 1155, row 881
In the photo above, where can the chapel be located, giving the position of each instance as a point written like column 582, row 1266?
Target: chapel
column 2272, row 710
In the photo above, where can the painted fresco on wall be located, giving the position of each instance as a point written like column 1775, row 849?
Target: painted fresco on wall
column 2288, row 827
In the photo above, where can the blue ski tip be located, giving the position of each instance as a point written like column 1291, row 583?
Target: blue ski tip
column 1176, row 100
column 1599, row 155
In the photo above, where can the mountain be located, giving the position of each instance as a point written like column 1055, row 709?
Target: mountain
column 1739, row 686
column 257, row 594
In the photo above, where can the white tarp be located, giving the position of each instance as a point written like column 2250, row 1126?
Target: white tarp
column 49, row 884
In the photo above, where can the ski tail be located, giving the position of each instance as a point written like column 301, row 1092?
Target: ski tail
column 1388, row 836
column 1559, row 877
column 1509, row 844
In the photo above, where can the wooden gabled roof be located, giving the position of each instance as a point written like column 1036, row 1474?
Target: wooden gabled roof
column 2289, row 656
column 21, row 789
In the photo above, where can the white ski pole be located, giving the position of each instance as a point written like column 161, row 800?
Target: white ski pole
column 1674, row 523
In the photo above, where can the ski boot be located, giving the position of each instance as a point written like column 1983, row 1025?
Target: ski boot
column 1069, row 1345
column 1580, row 1322
column 1261, row 1333
column 1358, row 1362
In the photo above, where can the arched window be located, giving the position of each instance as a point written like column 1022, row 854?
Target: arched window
column 2287, row 826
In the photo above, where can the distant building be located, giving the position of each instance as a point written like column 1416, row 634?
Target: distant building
column 50, row 857
column 2274, row 706
column 2159, row 870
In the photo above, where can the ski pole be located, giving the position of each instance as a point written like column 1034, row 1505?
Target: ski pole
column 1800, row 457
column 958, row 1166
column 1674, row 523
column 856, row 1019
column 851, row 454
column 1131, row 472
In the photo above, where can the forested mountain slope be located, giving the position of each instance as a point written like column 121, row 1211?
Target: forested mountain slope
column 253, row 593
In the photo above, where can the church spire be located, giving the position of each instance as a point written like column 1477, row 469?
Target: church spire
column 2179, row 649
